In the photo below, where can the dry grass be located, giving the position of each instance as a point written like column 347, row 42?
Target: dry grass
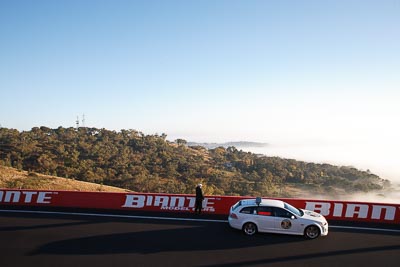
column 15, row 179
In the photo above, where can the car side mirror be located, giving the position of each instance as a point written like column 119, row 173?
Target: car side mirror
column 293, row 217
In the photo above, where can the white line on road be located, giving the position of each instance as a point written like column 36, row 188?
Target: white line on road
column 364, row 228
column 115, row 216
column 177, row 219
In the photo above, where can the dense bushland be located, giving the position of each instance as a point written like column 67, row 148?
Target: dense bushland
column 150, row 163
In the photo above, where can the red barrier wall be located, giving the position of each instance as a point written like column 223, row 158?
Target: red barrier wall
column 334, row 210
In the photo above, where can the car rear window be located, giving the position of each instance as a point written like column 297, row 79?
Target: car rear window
column 248, row 210
column 237, row 205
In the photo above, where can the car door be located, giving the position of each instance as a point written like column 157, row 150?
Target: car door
column 285, row 221
column 265, row 219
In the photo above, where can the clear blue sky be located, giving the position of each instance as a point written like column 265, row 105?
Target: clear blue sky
column 272, row 71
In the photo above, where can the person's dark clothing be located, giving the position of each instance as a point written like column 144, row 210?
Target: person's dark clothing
column 199, row 200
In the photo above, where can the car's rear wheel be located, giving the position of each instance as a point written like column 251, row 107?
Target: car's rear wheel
column 250, row 228
column 312, row 232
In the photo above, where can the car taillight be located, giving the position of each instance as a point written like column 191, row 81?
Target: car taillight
column 233, row 216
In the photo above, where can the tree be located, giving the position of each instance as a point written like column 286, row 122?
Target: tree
column 150, row 163
column 181, row 142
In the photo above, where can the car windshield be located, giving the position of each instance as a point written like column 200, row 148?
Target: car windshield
column 294, row 210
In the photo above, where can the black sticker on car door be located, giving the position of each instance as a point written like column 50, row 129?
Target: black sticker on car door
column 286, row 224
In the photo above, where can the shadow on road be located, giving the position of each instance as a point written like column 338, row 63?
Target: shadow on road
column 201, row 237
column 288, row 259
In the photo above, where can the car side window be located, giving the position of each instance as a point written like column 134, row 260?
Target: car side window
column 282, row 213
column 265, row 211
column 248, row 210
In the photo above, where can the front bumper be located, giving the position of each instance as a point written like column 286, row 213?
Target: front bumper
column 324, row 230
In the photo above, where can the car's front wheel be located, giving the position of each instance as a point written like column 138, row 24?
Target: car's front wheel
column 312, row 232
column 250, row 228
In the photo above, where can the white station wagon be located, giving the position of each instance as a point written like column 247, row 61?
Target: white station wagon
column 275, row 216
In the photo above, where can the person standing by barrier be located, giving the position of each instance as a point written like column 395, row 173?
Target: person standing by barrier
column 199, row 199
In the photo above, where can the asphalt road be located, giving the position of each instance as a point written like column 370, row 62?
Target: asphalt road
column 71, row 240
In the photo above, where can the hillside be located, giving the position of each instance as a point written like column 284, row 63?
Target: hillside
column 12, row 178
column 238, row 145
column 149, row 163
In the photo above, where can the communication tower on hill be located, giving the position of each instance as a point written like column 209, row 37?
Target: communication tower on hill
column 83, row 120
column 77, row 122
